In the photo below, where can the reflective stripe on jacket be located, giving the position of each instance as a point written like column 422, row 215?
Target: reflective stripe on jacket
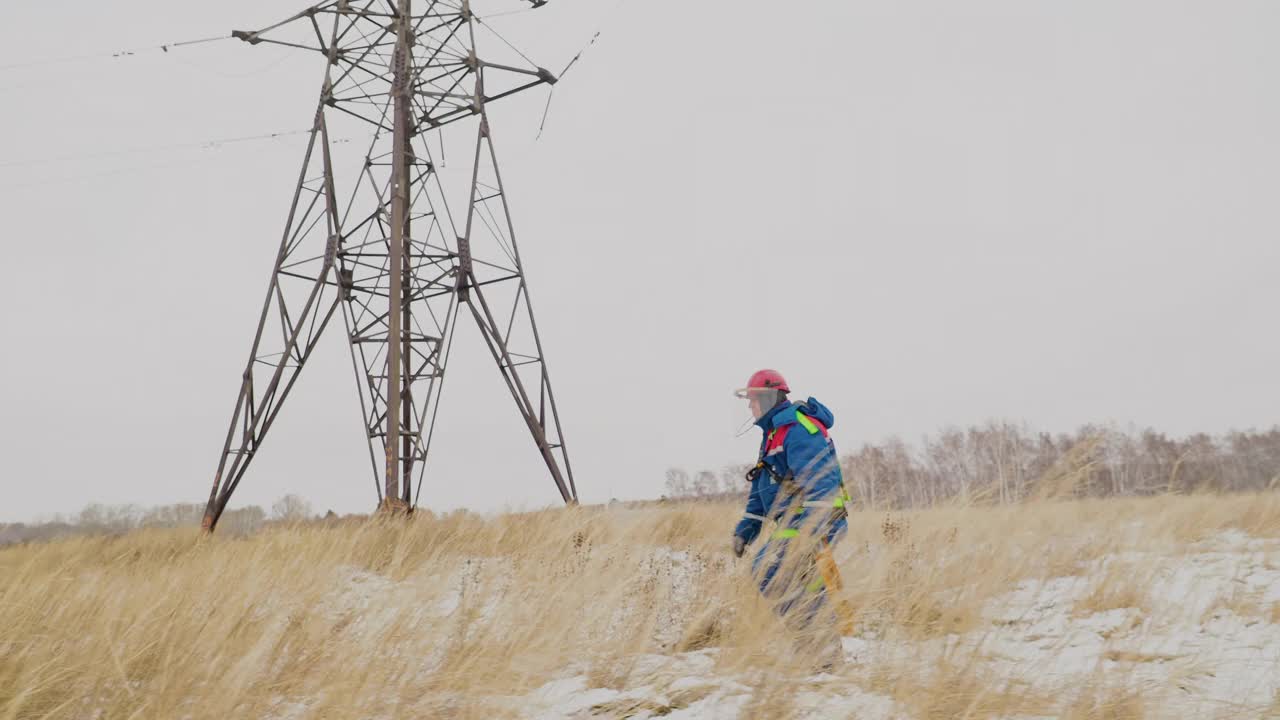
column 801, row 469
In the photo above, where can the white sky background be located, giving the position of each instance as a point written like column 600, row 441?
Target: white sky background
column 923, row 213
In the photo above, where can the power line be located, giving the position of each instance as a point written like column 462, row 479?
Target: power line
column 202, row 144
column 504, row 40
column 165, row 47
column 506, row 13
column 552, row 93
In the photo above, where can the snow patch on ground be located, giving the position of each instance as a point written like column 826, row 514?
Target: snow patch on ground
column 684, row 686
column 1199, row 642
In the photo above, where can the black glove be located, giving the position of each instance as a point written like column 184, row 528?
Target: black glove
column 739, row 544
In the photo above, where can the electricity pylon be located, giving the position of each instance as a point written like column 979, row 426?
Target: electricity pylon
column 389, row 256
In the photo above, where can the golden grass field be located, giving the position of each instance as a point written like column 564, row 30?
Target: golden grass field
column 1118, row 608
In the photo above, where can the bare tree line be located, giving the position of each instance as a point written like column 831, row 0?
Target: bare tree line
column 1002, row 462
column 99, row 519
column 998, row 462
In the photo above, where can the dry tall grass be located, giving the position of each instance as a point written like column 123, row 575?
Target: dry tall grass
column 464, row 616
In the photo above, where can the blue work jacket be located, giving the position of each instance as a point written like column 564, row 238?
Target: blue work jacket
column 801, row 479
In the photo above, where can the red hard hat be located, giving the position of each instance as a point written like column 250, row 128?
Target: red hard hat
column 765, row 380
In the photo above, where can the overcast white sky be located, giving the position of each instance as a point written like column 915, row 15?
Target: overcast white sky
column 923, row 213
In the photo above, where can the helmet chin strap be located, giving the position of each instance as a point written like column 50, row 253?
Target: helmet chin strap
column 779, row 398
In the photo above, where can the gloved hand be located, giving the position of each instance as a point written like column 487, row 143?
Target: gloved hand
column 738, row 545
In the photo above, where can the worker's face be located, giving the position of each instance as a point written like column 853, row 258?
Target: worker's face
column 761, row 402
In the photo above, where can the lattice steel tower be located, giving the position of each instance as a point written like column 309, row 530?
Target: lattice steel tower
column 389, row 254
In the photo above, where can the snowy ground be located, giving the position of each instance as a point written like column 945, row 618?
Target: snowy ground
column 1203, row 640
column 685, row 687
column 1200, row 640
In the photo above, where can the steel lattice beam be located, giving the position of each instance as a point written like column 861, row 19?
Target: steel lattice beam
column 390, row 257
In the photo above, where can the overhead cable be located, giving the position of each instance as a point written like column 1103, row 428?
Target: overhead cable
column 165, row 47
column 577, row 57
column 202, row 144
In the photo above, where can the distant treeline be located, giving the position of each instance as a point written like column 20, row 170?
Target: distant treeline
column 994, row 463
column 1002, row 462
column 100, row 519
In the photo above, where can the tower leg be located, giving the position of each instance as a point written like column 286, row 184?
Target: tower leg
column 511, row 336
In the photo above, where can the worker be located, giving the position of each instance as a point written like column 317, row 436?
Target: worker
column 796, row 487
